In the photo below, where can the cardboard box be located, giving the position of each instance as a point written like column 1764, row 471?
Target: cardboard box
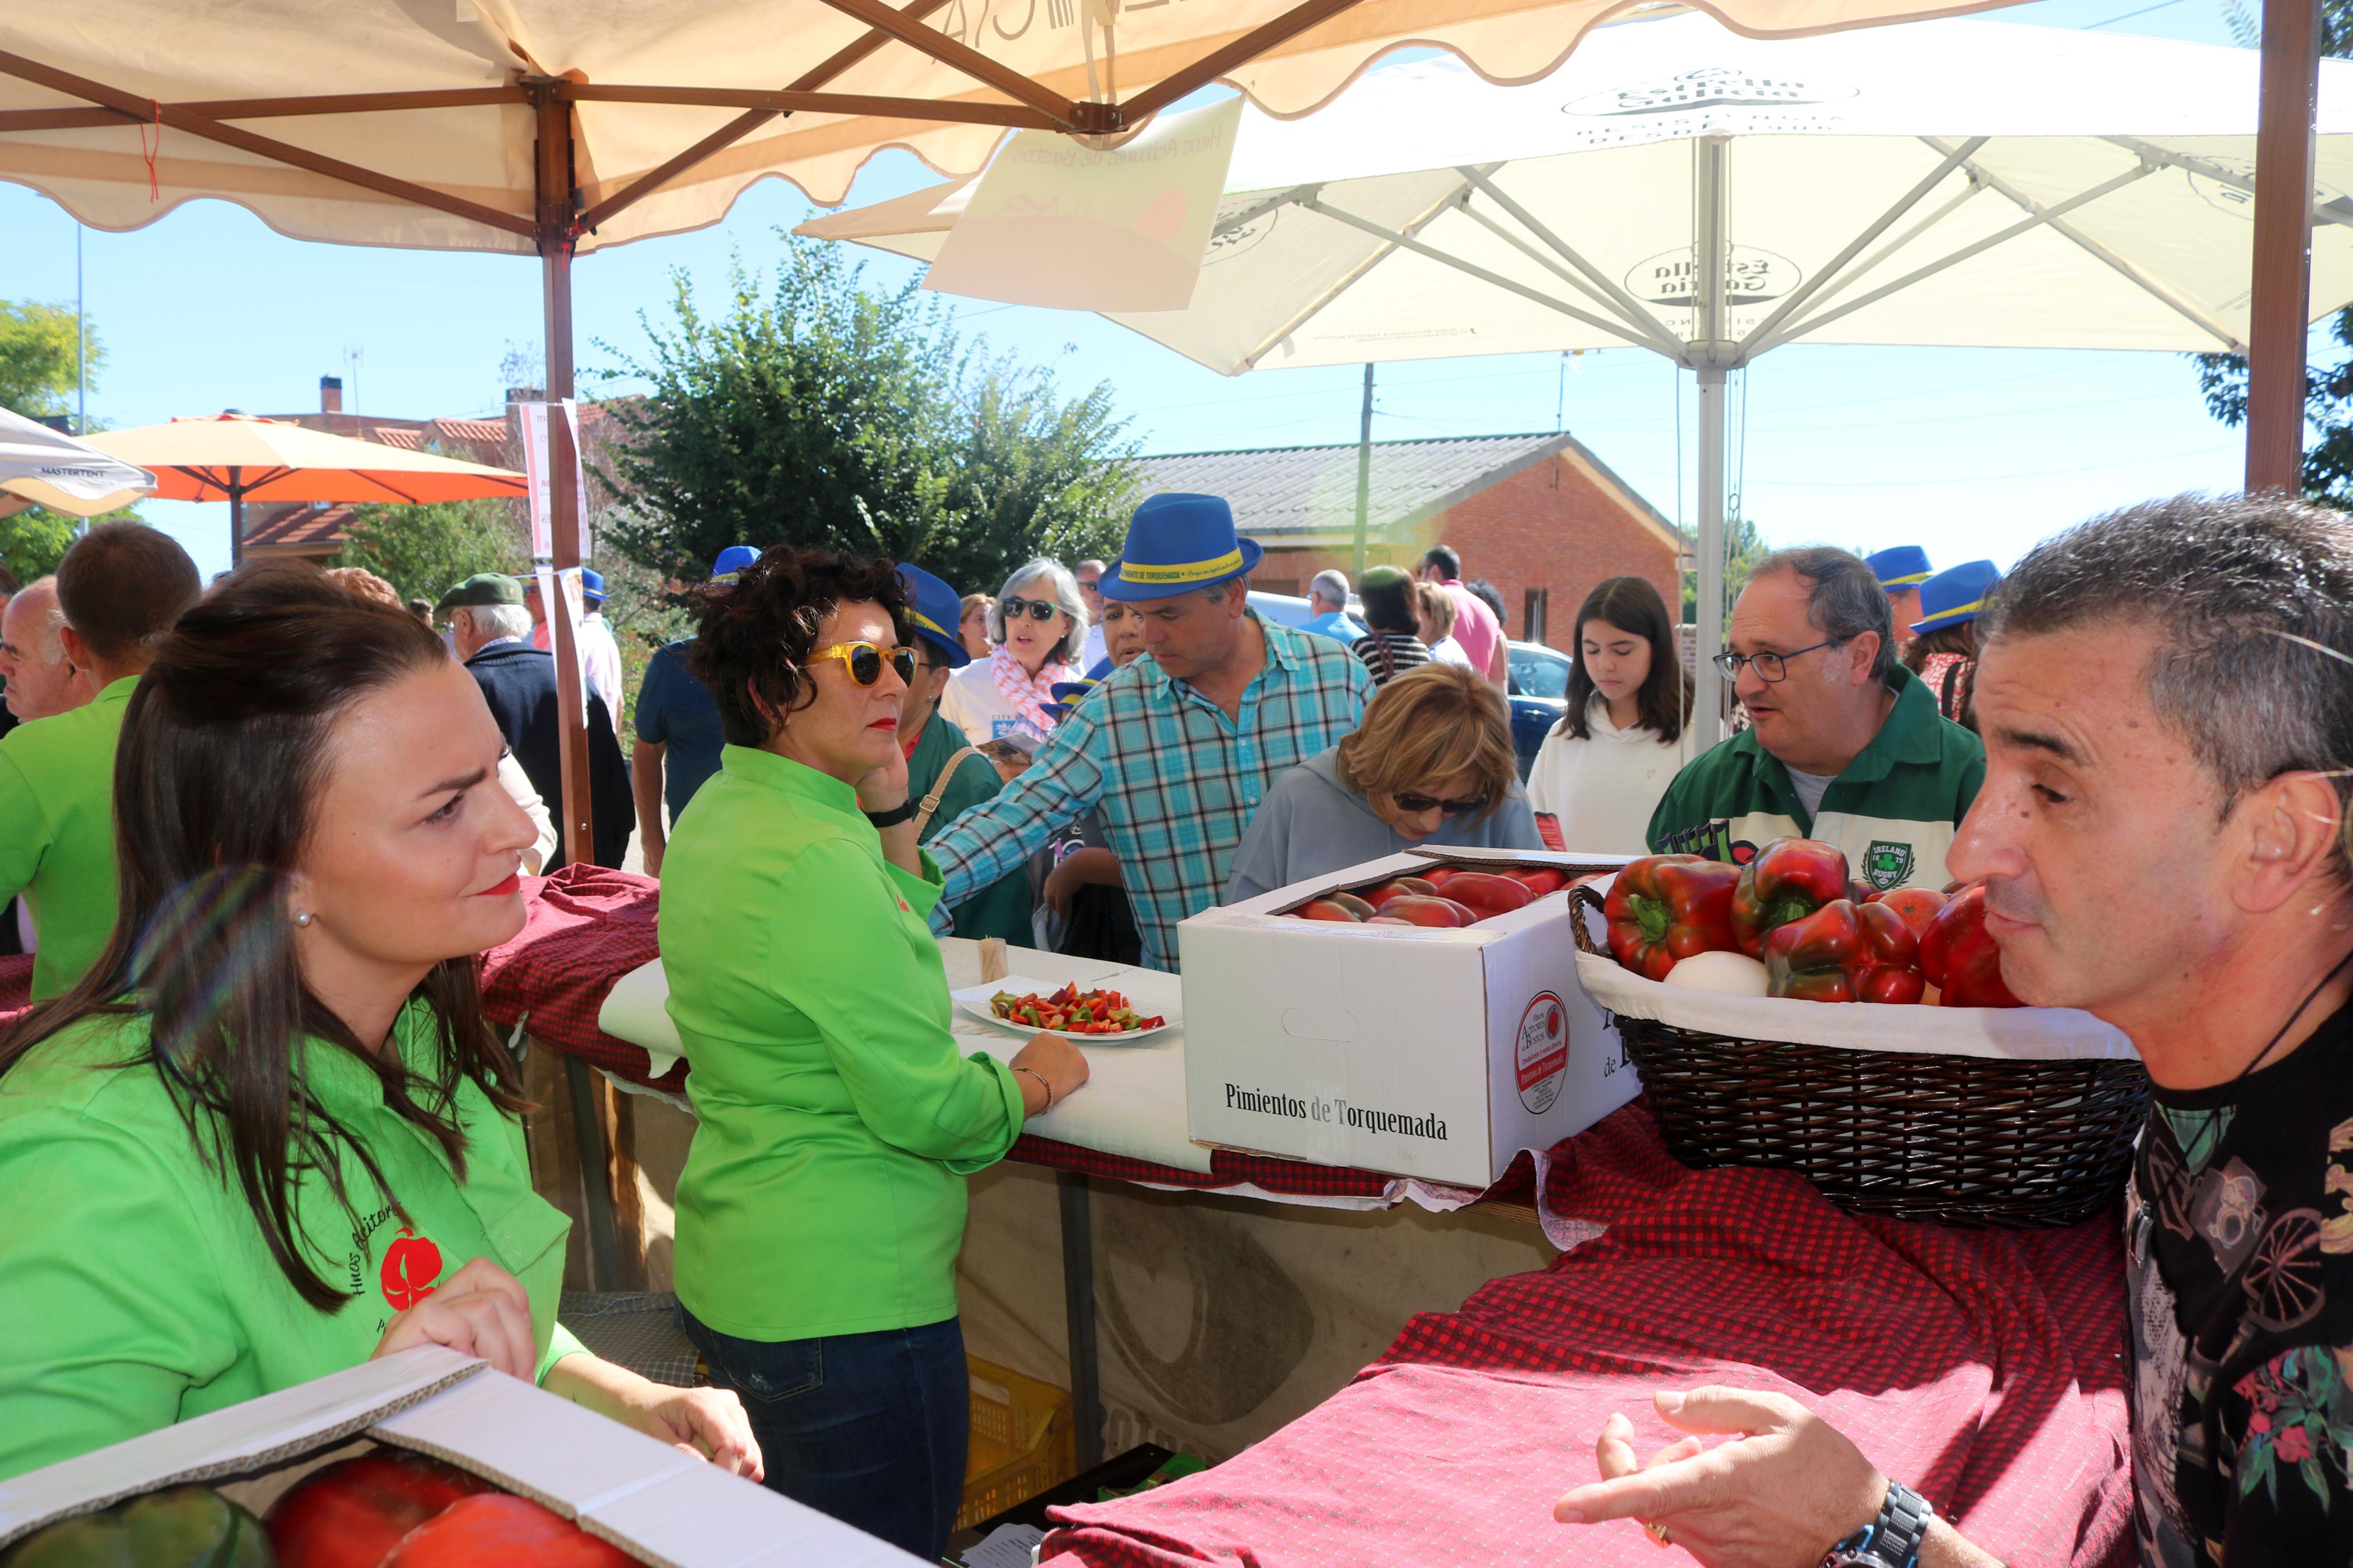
column 1430, row 1053
column 663, row 1506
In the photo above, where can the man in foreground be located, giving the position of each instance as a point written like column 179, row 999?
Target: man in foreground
column 1174, row 752
column 487, row 624
column 121, row 587
column 2167, row 696
column 1844, row 743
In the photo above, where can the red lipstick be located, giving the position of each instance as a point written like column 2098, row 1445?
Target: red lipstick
column 501, row 889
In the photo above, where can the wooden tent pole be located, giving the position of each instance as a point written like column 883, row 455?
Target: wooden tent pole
column 556, row 234
column 2280, row 303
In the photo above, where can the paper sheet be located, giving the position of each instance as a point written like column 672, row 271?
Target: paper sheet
column 1006, row 1546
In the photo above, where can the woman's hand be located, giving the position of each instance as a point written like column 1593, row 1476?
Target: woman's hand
column 708, row 1422
column 481, row 1311
column 1062, row 1064
column 885, row 789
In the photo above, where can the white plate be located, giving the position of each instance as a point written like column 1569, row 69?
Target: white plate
column 974, row 1000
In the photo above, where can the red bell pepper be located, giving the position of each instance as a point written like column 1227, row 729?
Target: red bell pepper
column 1664, row 907
column 1845, row 952
column 1789, row 880
column 1959, row 959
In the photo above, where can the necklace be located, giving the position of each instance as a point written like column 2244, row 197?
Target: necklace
column 2206, row 1118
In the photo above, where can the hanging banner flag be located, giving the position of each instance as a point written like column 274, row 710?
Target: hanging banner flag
column 561, row 587
column 1056, row 223
column 536, row 467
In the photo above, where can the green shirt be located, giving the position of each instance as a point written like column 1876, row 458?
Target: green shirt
column 56, row 833
column 1894, row 809
column 1001, row 909
column 824, row 1192
column 136, row 1287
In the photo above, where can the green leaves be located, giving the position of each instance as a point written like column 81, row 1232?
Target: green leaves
column 36, row 357
column 422, row 550
column 825, row 412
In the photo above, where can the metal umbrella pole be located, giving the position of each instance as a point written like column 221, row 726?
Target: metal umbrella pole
column 1706, row 356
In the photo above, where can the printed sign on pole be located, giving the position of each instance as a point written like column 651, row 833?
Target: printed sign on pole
column 1055, row 222
column 536, row 467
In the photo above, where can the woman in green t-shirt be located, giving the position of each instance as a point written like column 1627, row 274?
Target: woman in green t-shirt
column 822, row 1203
column 270, row 1135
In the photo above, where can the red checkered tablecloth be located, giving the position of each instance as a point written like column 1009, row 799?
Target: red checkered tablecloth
column 1984, row 1368
column 15, row 985
column 586, row 927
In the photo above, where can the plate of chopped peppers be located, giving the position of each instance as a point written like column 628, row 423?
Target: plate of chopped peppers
column 1027, row 1006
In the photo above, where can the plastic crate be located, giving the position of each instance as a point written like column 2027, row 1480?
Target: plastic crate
column 1023, row 1441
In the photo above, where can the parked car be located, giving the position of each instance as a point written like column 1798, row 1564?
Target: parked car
column 1537, row 689
column 1283, row 609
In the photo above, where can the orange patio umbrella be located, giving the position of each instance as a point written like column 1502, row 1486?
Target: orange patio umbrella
column 238, row 458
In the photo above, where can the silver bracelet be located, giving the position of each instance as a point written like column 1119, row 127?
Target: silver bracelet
column 1042, row 1084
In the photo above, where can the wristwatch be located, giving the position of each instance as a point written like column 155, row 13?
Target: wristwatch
column 1893, row 1540
column 903, row 811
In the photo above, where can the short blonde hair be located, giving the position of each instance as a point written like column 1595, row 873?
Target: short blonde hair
column 1439, row 605
column 1429, row 724
column 363, row 584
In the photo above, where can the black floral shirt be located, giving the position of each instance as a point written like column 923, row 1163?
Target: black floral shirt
column 2239, row 1258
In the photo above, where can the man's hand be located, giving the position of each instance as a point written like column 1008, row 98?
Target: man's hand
column 1785, row 1490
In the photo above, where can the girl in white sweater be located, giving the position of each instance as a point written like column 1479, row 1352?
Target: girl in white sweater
column 1626, row 734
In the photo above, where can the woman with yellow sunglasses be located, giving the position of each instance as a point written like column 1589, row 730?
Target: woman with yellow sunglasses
column 822, row 1204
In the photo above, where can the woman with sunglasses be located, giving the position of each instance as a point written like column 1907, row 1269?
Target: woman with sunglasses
column 822, row 1203
column 1432, row 764
column 1039, row 625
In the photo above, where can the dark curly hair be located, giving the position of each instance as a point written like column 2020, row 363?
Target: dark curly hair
column 751, row 651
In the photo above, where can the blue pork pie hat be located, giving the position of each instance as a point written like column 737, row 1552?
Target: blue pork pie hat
column 934, row 611
column 1067, row 695
column 1955, row 594
column 592, row 585
column 732, row 560
column 1900, row 566
column 1176, row 544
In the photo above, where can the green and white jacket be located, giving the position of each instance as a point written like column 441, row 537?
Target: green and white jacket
column 1892, row 810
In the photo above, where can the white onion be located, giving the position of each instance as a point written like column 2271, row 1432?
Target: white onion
column 1732, row 973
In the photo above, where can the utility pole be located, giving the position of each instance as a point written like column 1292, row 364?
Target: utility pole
column 1364, row 471
column 81, row 354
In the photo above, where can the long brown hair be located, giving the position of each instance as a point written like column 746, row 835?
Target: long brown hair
column 225, row 753
column 1631, row 604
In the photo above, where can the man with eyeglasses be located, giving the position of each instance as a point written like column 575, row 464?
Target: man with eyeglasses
column 1844, row 743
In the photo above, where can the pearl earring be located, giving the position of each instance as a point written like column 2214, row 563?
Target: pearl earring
column 303, row 917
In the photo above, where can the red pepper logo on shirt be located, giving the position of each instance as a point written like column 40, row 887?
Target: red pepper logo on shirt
column 411, row 1264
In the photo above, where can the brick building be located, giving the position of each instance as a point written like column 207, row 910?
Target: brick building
column 1539, row 516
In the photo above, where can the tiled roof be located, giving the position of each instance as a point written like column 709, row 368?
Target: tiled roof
column 479, row 432
column 1281, row 490
column 297, row 529
column 398, row 436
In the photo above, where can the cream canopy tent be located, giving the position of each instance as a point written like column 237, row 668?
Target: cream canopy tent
column 238, row 457
column 1710, row 197
column 548, row 127
column 42, row 468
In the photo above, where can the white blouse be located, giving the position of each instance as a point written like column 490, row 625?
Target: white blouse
column 1602, row 791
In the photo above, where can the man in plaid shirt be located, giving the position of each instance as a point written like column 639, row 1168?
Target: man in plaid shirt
column 1174, row 753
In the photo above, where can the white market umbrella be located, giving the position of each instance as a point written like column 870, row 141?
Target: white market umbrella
column 40, row 466
column 1711, row 197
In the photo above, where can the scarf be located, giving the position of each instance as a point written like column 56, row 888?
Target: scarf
column 1029, row 695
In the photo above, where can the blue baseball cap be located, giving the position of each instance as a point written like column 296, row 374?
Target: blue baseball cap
column 1955, row 594
column 934, row 610
column 592, row 585
column 1900, row 566
column 732, row 560
column 1177, row 543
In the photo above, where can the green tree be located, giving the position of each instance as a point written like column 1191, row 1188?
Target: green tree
column 421, row 550
column 1743, row 547
column 2328, row 380
column 34, row 541
column 36, row 357
column 826, row 413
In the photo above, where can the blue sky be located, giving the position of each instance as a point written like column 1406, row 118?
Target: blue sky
column 1970, row 452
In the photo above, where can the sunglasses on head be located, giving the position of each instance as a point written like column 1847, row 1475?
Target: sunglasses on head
column 1415, row 805
column 1040, row 609
column 865, row 660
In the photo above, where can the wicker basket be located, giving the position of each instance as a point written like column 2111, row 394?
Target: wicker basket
column 1960, row 1140
column 1023, row 1441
